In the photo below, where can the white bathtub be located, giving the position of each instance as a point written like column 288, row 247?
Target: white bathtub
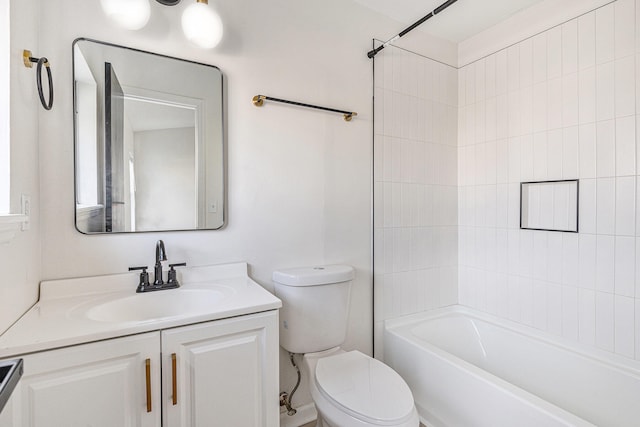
column 468, row 369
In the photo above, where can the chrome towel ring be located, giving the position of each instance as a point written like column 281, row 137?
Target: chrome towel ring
column 28, row 62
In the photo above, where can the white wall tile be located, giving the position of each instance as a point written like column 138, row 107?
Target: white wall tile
column 526, row 300
column 587, row 261
column 588, row 207
column 605, row 203
column 624, row 326
column 490, row 76
column 625, row 266
column 491, row 119
column 502, row 114
column 637, row 25
column 626, row 146
column 570, row 153
column 540, row 156
column 624, row 29
column 540, row 256
column 540, row 305
column 526, row 63
column 625, row 206
column 554, row 53
column 501, row 72
column 587, row 316
column 526, row 110
column 514, row 159
column 554, row 103
column 554, row 154
column 605, row 91
column 570, row 112
column 554, row 309
column 587, row 41
column 502, row 205
column 513, row 219
column 514, row 113
column 605, row 316
column 480, row 122
column 605, row 263
column 637, row 329
column 605, row 149
column 554, row 244
column 539, row 107
column 570, row 312
column 625, row 89
column 526, row 253
column 570, row 47
column 587, row 95
column 587, row 150
column 539, row 65
column 605, row 34
column 513, row 68
column 480, row 76
column 570, row 256
column 526, row 158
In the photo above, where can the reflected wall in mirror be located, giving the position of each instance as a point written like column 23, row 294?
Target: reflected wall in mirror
column 149, row 141
column 549, row 205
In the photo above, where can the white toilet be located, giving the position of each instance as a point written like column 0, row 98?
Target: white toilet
column 349, row 389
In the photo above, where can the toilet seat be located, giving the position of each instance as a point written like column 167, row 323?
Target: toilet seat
column 364, row 388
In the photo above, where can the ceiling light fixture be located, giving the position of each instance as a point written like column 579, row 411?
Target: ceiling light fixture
column 202, row 25
column 129, row 14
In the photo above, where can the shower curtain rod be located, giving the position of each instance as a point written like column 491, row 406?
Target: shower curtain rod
column 437, row 10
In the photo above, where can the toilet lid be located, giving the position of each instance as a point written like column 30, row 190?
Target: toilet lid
column 366, row 388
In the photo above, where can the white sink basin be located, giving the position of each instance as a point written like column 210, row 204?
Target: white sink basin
column 156, row 305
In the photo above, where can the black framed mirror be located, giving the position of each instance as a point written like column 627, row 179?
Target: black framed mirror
column 149, row 141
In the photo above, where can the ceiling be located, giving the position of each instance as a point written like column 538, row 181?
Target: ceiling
column 458, row 22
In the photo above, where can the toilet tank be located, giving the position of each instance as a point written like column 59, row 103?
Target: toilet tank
column 315, row 306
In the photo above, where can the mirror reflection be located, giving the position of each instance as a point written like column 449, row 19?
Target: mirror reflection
column 148, row 141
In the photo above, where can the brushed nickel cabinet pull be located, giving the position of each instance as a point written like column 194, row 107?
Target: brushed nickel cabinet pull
column 174, row 384
column 148, row 371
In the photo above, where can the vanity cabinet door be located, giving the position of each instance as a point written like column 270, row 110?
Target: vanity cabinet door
column 222, row 373
column 102, row 384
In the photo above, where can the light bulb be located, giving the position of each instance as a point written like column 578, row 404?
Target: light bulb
column 129, row 14
column 202, row 25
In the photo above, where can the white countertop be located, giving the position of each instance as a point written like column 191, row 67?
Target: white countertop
column 58, row 319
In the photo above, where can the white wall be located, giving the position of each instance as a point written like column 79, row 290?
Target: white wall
column 299, row 181
column 558, row 105
column 165, row 161
column 415, row 193
column 20, row 258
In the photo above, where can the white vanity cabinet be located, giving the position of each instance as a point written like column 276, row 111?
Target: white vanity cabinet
column 218, row 373
column 101, row 384
column 222, row 374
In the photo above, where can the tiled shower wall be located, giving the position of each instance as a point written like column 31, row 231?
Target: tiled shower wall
column 415, row 190
column 560, row 105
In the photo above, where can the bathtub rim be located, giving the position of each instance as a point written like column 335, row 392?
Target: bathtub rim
column 625, row 364
column 399, row 328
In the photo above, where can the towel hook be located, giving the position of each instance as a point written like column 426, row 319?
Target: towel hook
column 28, row 60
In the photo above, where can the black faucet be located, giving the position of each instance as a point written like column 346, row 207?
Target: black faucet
column 158, row 284
column 161, row 255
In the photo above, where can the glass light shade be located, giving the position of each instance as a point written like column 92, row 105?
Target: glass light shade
column 202, row 25
column 129, row 14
